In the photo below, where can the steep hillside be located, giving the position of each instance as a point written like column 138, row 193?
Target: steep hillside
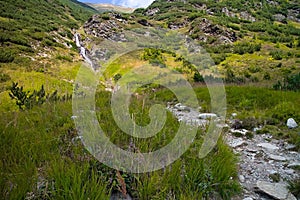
column 101, row 7
column 29, row 30
column 250, row 41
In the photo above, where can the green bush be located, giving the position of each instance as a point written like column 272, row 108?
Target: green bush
column 289, row 83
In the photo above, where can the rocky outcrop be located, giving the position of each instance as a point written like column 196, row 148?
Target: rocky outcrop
column 208, row 28
column 279, row 17
column 151, row 12
column 109, row 29
column 246, row 16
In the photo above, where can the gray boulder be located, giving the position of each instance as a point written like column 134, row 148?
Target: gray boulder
column 275, row 190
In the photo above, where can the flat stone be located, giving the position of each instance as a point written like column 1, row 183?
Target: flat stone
column 290, row 147
column 207, row 115
column 242, row 132
column 275, row 190
column 277, row 158
column 294, row 165
column 241, row 178
column 268, row 146
column 236, row 143
column 248, row 198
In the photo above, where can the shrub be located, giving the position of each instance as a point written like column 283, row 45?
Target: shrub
column 6, row 56
column 4, row 78
column 289, row 83
column 198, row 77
column 277, row 54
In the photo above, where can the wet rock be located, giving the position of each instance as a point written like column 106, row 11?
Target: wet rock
column 290, row 147
column 236, row 143
column 207, row 116
column 277, row 158
column 241, row 178
column 239, row 133
column 268, row 146
column 181, row 107
column 291, row 123
column 294, row 165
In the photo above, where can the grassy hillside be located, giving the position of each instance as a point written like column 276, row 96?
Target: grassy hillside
column 250, row 41
column 36, row 43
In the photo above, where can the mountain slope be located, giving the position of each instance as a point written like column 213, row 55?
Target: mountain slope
column 250, row 41
column 101, row 7
column 31, row 27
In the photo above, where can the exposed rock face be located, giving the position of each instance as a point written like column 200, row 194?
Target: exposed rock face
column 108, row 29
column 294, row 15
column 247, row 16
column 228, row 13
column 200, row 6
column 175, row 26
column 151, row 12
column 291, row 123
column 279, row 17
column 224, row 35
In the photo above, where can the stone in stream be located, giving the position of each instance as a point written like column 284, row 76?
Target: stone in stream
column 268, row 146
column 275, row 190
column 181, row 107
column 277, row 158
column 207, row 116
column 291, row 123
column 294, row 165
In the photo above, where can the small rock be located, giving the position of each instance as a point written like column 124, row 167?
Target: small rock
column 268, row 146
column 291, row 123
column 241, row 178
column 276, row 190
column 277, row 158
column 242, row 132
column 233, row 115
column 290, row 147
column 207, row 115
column 257, row 129
column 248, row 198
column 181, row 107
column 74, row 117
column 294, row 165
column 290, row 171
column 236, row 143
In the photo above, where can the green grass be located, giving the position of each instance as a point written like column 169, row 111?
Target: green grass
column 37, row 146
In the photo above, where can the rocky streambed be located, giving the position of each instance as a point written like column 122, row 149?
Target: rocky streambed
column 265, row 164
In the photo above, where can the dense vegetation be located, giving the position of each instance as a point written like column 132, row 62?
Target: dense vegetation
column 28, row 27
